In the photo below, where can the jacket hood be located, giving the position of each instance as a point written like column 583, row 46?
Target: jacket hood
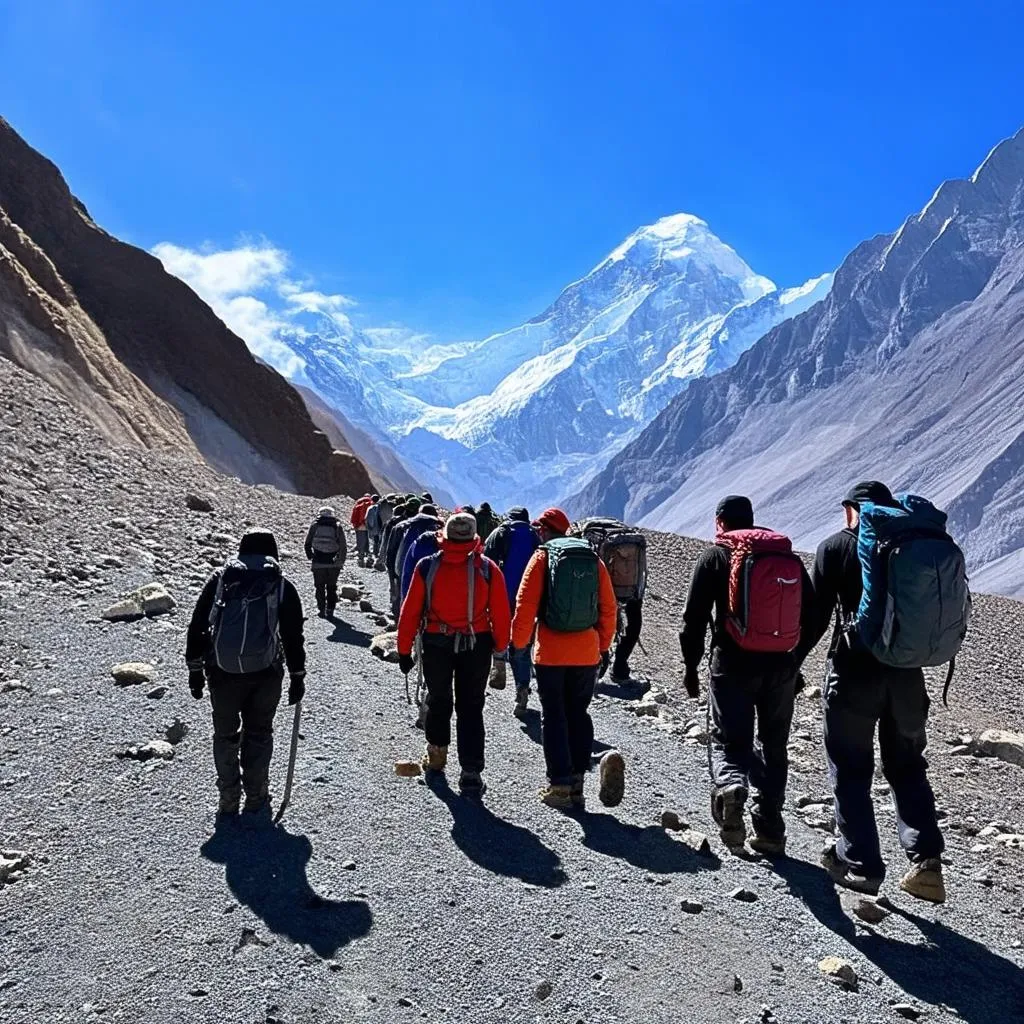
column 458, row 550
column 258, row 542
column 518, row 514
column 426, row 519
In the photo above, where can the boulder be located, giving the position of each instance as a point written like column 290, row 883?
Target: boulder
column 132, row 673
column 197, row 503
column 1007, row 746
column 126, row 610
column 149, row 600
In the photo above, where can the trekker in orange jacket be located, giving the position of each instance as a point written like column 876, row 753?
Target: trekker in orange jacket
column 567, row 659
column 358, row 520
column 457, row 599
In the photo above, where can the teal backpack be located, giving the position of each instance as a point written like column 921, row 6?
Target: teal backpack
column 571, row 594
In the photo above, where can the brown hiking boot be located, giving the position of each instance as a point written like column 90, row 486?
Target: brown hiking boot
column 471, row 784
column 727, row 810
column 842, row 874
column 613, row 779
column 435, row 759
column 579, row 801
column 559, row 797
column 924, row 881
column 496, row 680
column 522, row 701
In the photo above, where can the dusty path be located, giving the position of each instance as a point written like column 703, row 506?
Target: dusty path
column 381, row 899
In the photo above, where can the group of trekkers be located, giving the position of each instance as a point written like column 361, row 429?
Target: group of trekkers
column 474, row 594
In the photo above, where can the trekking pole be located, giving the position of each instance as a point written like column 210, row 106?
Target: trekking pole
column 419, row 668
column 289, row 778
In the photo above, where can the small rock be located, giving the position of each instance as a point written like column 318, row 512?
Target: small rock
column 153, row 749
column 812, row 692
column 696, row 841
column 656, row 696
column 405, row 1001
column 350, row 593
column 127, row 610
column 176, row 731
column 907, row 1010
column 1013, row 841
column 671, row 820
column 408, row 769
column 197, row 503
column 688, row 906
column 543, row 990
column 132, row 673
column 54, row 691
column 840, row 971
column 737, row 983
column 348, row 865
column 365, row 606
column 1007, row 746
column 13, row 863
column 155, row 599
column 385, row 646
column 13, row 686
column 645, row 709
column 743, row 895
column 864, row 907
column 156, row 692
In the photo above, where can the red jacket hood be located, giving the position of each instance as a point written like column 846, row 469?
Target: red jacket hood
column 458, row 550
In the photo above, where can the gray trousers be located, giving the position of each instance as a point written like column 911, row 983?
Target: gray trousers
column 243, row 728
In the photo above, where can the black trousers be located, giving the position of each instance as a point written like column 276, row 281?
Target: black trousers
column 567, row 729
column 325, row 580
column 633, row 611
column 457, row 682
column 752, row 714
column 860, row 694
column 243, row 727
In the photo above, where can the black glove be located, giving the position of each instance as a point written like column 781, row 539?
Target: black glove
column 606, row 660
column 691, row 680
column 197, row 683
column 800, row 682
column 296, row 688
column 406, row 662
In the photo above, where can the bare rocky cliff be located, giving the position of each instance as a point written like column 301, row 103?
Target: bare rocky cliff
column 136, row 350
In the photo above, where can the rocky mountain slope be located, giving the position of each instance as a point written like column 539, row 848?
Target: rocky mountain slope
column 383, row 900
column 526, row 414
column 140, row 355
column 912, row 371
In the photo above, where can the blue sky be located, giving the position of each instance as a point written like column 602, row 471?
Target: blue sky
column 451, row 165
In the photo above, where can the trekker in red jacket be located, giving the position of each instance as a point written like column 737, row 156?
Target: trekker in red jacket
column 358, row 520
column 457, row 598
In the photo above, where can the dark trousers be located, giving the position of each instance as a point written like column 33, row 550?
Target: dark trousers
column 457, row 682
column 633, row 612
column 738, row 701
column 325, row 580
column 858, row 696
column 567, row 730
column 362, row 543
column 243, row 728
column 375, row 543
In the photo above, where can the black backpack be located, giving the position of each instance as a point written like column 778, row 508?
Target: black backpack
column 244, row 618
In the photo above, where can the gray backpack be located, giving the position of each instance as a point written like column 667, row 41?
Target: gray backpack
column 244, row 617
column 325, row 537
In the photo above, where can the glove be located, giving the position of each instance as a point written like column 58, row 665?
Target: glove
column 800, row 682
column 691, row 680
column 296, row 688
column 406, row 662
column 606, row 660
column 197, row 683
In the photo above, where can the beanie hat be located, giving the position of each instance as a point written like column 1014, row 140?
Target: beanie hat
column 869, row 490
column 258, row 542
column 519, row 514
column 413, row 506
column 376, row 497
column 327, row 512
column 460, row 527
column 735, row 512
column 428, row 510
column 426, row 496
column 555, row 520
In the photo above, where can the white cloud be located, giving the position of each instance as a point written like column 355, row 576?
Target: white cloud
column 223, row 274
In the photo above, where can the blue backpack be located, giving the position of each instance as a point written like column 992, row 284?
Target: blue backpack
column 916, row 603
column 425, row 546
column 522, row 543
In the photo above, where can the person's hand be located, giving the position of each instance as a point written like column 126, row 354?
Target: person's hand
column 800, row 682
column 691, row 680
column 296, row 688
column 406, row 662
column 606, row 660
column 197, row 683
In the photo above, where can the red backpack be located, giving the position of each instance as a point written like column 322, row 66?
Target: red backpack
column 765, row 590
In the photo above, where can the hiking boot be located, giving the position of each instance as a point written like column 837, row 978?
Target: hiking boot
column 435, row 759
column 559, row 797
column 321, row 611
column 229, row 802
column 579, row 801
column 727, row 810
column 620, row 676
column 330, row 612
column 769, row 846
column 471, row 785
column 257, row 803
column 613, row 779
column 522, row 701
column 924, row 881
column 496, row 680
column 842, row 874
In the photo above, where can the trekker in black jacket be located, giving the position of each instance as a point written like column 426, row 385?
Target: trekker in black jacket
column 859, row 693
column 249, row 617
column 745, row 685
column 326, row 548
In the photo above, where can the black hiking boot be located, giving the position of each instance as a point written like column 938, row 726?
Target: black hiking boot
column 471, row 785
column 522, row 701
column 843, row 874
column 579, row 800
column 727, row 810
column 229, row 802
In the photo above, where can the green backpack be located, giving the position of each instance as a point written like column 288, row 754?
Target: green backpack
column 571, row 595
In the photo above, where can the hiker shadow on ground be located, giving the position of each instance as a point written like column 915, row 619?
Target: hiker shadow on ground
column 495, row 844
column 530, row 724
column 948, row 968
column 346, row 633
column 649, row 848
column 632, row 689
column 265, row 868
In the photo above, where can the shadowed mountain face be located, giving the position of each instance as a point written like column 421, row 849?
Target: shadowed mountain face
column 910, row 371
column 137, row 352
